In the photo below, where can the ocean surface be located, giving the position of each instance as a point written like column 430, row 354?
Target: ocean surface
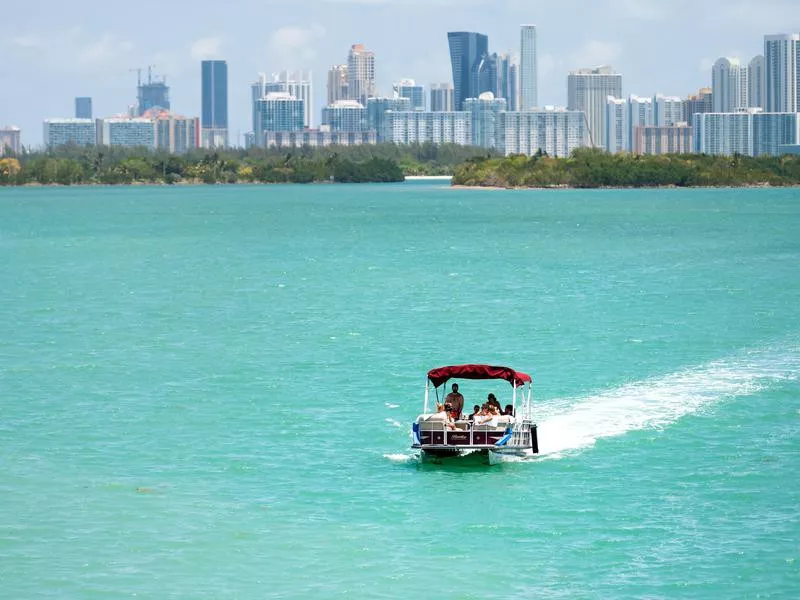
column 206, row 392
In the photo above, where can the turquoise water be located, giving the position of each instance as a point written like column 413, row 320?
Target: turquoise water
column 206, row 392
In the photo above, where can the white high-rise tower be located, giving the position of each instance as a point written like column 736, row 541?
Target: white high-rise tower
column 588, row 90
column 728, row 85
column 782, row 66
column 528, row 84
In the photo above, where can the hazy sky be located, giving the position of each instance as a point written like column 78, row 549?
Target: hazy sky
column 53, row 51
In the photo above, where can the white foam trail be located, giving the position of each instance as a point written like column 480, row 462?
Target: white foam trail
column 400, row 458
column 572, row 424
column 393, row 422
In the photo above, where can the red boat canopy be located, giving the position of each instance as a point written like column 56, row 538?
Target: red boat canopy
column 442, row 374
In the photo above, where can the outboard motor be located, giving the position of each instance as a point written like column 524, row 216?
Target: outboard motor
column 534, row 440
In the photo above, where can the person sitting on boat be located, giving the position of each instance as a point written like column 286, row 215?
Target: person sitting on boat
column 456, row 400
column 492, row 401
column 509, row 410
column 442, row 415
column 485, row 417
column 475, row 412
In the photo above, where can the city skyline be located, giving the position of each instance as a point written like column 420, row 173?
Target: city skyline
column 81, row 54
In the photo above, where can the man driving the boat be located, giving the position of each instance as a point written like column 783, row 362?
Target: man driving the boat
column 456, row 401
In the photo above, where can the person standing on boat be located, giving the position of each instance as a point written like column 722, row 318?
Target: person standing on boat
column 456, row 401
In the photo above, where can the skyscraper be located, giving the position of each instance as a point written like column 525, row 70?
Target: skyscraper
column 728, row 85
column 528, row 68
column 83, row 108
column 756, row 83
column 588, row 91
column 442, row 97
column 667, row 110
column 152, row 94
column 337, row 83
column 782, row 65
column 297, row 85
column 699, row 103
column 360, row 73
column 467, row 50
column 214, row 111
column 508, row 79
column 408, row 88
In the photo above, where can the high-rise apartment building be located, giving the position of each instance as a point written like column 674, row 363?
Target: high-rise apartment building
column 421, row 127
column 337, row 86
column 667, row 110
column 408, row 88
column 175, row 134
column 556, row 131
column 83, row 107
column 360, row 74
column 484, row 112
column 782, row 68
column 214, row 112
column 468, row 52
column 127, row 132
column 701, row 102
column 528, row 68
column 728, row 85
column 10, row 140
column 442, row 99
column 60, row 132
column 279, row 111
column 298, row 85
column 756, row 83
column 508, row 79
column 672, row 139
column 588, row 91
column 616, row 136
column 749, row 132
column 377, row 109
column 345, row 116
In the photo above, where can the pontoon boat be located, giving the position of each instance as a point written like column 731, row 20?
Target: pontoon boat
column 435, row 434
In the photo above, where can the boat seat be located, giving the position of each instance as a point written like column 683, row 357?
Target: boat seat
column 431, row 425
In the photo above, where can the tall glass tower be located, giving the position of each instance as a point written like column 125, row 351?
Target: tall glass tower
column 467, row 50
column 528, row 75
column 214, row 110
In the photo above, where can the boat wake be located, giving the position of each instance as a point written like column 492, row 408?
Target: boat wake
column 567, row 425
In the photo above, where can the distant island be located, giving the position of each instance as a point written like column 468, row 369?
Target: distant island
column 590, row 168
column 109, row 165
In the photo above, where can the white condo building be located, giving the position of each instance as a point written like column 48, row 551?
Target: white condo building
column 126, row 132
column 419, row 127
column 587, row 91
column 667, row 110
column 484, row 111
column 528, row 74
column 442, row 97
column 757, row 83
column 298, row 85
column 622, row 119
column 347, row 116
column 728, row 85
column 59, row 132
column 782, row 67
column 360, row 74
column 749, row 132
column 556, row 131
column 337, row 84
column 617, row 138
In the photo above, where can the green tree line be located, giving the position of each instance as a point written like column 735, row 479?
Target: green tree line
column 69, row 165
column 590, row 168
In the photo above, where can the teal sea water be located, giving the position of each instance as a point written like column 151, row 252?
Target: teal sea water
column 206, row 392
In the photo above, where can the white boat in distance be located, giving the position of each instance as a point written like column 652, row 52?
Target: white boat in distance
column 504, row 435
